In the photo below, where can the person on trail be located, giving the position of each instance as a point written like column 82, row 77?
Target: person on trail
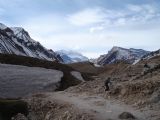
column 107, row 84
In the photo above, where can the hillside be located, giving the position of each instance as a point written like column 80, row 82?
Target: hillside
column 85, row 67
column 134, row 89
column 117, row 54
column 16, row 40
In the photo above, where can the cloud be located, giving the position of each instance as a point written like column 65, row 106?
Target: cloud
column 108, row 27
column 87, row 17
column 137, row 14
column 89, row 29
column 142, row 8
column 99, row 19
column 96, row 28
column 95, row 44
column 93, row 54
column 134, row 8
column 143, row 12
column 130, row 17
column 44, row 25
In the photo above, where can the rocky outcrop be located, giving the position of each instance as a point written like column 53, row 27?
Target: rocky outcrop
column 126, row 115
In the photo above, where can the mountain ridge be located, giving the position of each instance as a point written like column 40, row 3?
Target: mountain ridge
column 70, row 56
column 121, row 54
column 16, row 40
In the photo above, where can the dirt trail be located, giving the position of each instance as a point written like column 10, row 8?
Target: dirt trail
column 97, row 106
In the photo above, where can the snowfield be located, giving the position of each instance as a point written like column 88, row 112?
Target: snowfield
column 18, row 81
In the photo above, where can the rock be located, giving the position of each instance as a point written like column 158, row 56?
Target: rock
column 19, row 116
column 126, row 115
column 155, row 98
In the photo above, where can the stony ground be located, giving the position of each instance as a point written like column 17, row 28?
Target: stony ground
column 89, row 101
column 134, row 94
column 83, row 107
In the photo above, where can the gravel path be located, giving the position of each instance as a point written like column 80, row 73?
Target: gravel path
column 97, row 106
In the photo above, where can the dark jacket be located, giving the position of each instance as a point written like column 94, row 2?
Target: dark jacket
column 107, row 82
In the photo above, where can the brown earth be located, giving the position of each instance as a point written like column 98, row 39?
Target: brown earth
column 135, row 89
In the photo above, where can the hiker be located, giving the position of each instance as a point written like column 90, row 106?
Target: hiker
column 107, row 84
column 146, row 66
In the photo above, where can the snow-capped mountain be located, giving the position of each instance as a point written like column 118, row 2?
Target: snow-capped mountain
column 2, row 26
column 121, row 54
column 16, row 40
column 151, row 55
column 69, row 56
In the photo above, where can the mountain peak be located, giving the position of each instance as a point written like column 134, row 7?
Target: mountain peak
column 19, row 30
column 21, row 33
column 116, row 48
column 16, row 40
column 70, row 56
column 121, row 54
column 69, row 52
column 2, row 26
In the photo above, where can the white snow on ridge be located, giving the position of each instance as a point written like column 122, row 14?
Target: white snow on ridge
column 77, row 75
column 96, row 65
column 22, row 34
column 19, row 42
column 136, row 61
column 70, row 56
column 122, row 54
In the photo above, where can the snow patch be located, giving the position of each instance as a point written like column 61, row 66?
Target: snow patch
column 96, row 65
column 71, row 56
column 77, row 75
column 136, row 61
column 18, row 81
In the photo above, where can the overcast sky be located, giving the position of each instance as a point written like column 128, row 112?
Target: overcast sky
column 91, row 27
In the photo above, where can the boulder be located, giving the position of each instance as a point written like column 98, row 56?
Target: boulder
column 126, row 115
column 19, row 116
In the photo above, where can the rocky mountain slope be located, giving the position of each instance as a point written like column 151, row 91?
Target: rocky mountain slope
column 121, row 54
column 151, row 54
column 71, row 56
column 16, row 40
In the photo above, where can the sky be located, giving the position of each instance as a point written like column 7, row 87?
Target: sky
column 91, row 27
